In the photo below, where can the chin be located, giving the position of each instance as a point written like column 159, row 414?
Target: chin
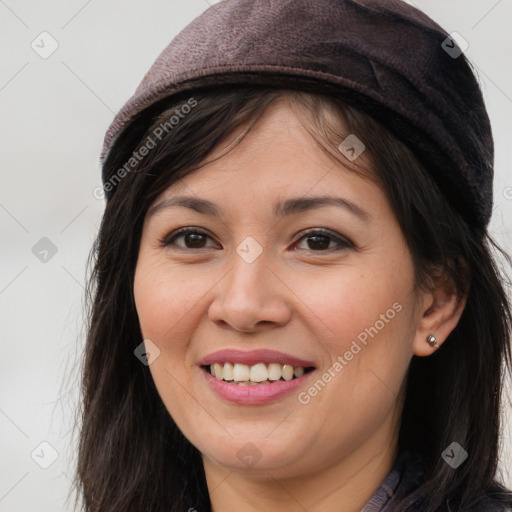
column 255, row 454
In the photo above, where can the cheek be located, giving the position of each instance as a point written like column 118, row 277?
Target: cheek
column 365, row 321
column 354, row 304
column 164, row 295
column 166, row 302
column 168, row 305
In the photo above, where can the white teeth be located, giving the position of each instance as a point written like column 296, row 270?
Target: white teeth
column 217, row 371
column 243, row 374
column 258, row 373
column 299, row 371
column 287, row 372
column 274, row 371
column 228, row 371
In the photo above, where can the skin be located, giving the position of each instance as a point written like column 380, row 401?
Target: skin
column 298, row 296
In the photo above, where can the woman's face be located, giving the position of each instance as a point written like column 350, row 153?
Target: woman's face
column 255, row 279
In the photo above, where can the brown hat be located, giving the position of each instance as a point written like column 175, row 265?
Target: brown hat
column 382, row 56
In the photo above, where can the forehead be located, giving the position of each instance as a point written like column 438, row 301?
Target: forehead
column 278, row 152
column 275, row 164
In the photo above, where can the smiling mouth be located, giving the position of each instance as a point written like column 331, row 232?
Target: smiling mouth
column 257, row 374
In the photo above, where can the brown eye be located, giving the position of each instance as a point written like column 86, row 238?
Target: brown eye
column 321, row 239
column 192, row 239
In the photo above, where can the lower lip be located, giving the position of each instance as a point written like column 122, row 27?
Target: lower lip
column 257, row 394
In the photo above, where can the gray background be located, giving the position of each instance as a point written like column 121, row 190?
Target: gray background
column 55, row 111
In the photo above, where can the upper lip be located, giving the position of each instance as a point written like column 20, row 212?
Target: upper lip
column 252, row 357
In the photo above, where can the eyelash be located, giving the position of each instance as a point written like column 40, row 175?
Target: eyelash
column 342, row 242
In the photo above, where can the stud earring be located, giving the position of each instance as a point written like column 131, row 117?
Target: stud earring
column 432, row 340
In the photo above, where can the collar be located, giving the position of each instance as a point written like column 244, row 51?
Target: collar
column 403, row 476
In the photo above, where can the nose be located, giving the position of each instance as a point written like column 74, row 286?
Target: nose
column 250, row 298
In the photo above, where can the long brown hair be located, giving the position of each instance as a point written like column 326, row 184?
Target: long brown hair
column 133, row 458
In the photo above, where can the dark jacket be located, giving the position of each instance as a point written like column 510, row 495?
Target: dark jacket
column 404, row 479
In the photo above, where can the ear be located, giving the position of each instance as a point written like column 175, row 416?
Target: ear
column 439, row 313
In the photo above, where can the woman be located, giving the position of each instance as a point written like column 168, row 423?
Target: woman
column 294, row 303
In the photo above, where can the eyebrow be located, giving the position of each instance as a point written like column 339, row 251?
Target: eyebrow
column 291, row 206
